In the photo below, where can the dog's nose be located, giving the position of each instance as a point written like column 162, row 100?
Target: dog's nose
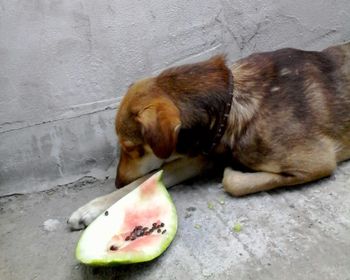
column 117, row 183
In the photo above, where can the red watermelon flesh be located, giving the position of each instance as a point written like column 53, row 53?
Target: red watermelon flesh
column 137, row 228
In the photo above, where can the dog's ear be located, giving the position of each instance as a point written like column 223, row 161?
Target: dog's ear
column 160, row 124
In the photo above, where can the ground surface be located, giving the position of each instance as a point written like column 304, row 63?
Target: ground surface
column 295, row 233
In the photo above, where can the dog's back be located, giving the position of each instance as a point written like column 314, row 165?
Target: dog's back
column 296, row 99
column 340, row 99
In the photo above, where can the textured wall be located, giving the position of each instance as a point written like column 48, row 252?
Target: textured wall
column 65, row 65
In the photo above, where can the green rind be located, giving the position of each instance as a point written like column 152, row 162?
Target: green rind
column 135, row 258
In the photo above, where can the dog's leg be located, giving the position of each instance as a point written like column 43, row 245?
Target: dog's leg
column 239, row 183
column 174, row 172
column 87, row 213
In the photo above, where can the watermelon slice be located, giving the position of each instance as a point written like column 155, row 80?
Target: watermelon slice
column 137, row 228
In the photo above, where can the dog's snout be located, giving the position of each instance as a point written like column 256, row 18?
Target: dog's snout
column 118, row 183
column 120, row 180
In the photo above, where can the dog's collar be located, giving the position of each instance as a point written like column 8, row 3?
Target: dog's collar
column 220, row 129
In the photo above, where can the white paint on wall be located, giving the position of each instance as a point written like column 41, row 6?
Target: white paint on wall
column 66, row 64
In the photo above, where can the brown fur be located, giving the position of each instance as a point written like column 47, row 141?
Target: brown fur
column 289, row 120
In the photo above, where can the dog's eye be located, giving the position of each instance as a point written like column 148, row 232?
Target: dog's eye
column 132, row 149
column 128, row 144
column 129, row 149
column 135, row 151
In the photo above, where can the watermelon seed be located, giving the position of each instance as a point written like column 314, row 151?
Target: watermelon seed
column 164, row 231
column 106, row 213
column 139, row 231
column 113, row 248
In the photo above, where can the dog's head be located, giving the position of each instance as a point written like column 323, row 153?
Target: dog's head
column 147, row 125
column 148, row 122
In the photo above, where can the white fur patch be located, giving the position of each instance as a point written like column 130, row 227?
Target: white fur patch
column 274, row 89
column 285, row 71
column 148, row 163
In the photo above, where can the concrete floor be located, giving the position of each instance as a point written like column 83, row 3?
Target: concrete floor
column 295, row 233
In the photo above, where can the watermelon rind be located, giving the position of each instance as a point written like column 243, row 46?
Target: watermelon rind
column 91, row 249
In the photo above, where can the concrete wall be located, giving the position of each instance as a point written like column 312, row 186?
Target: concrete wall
column 65, row 64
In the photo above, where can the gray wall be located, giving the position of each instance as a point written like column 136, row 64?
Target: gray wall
column 65, row 65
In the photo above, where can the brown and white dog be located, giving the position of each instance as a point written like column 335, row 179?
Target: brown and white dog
column 285, row 115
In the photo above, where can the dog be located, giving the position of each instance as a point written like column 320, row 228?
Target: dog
column 284, row 115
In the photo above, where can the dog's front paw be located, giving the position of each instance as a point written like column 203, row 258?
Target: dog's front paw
column 82, row 217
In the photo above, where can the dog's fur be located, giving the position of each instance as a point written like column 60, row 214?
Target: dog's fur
column 289, row 121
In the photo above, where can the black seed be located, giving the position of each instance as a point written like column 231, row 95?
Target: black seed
column 132, row 238
column 127, row 238
column 138, row 227
column 159, row 230
column 154, row 225
column 113, row 248
column 164, row 231
column 147, row 232
column 106, row 213
column 162, row 224
column 145, row 228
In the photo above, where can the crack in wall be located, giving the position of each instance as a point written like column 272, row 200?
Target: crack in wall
column 112, row 107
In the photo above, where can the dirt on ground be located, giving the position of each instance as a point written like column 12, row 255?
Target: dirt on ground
column 291, row 233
